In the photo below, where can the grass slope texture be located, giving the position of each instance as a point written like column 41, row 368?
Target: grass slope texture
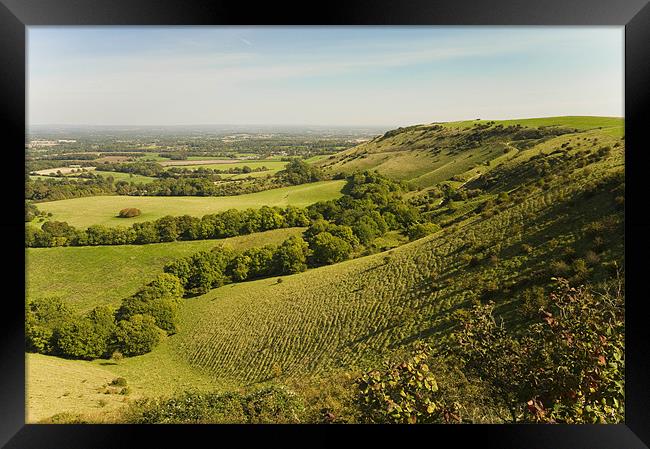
column 87, row 211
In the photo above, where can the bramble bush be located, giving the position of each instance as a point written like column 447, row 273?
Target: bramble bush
column 567, row 367
column 406, row 393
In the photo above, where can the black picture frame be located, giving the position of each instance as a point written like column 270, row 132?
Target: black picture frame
column 16, row 15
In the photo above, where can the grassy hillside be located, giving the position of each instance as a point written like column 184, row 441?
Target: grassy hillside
column 91, row 275
column 57, row 385
column 426, row 155
column 87, row 211
column 342, row 314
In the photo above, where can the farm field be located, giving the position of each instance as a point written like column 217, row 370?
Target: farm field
column 92, row 275
column 63, row 170
column 117, row 176
column 84, row 212
column 129, row 177
column 55, row 178
column 225, row 165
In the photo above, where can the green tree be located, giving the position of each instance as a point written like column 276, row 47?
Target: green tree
column 291, row 256
column 420, row 230
column 137, row 335
column 79, row 339
column 43, row 316
column 327, row 249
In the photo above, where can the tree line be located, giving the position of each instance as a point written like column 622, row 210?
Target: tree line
column 370, row 207
column 167, row 183
column 225, row 224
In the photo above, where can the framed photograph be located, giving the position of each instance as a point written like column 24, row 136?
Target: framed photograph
column 356, row 220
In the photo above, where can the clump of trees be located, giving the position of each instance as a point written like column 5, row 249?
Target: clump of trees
column 225, row 224
column 371, row 207
column 139, row 324
column 32, row 212
column 420, row 230
column 151, row 169
column 129, row 212
column 206, row 270
column 300, row 172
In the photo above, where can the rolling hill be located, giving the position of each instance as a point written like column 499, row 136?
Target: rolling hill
column 425, row 155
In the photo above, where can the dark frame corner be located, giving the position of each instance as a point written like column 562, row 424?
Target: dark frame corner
column 16, row 15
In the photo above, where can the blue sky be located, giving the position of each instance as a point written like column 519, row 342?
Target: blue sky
column 384, row 76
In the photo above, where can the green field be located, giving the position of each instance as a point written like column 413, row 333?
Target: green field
column 255, row 163
column 91, row 275
column 129, row 177
column 84, row 212
column 117, row 176
column 55, row 178
column 56, row 385
column 578, row 122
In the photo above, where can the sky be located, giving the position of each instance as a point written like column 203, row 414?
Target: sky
column 333, row 76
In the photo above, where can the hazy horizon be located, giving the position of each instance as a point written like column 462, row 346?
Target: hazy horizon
column 277, row 125
column 354, row 77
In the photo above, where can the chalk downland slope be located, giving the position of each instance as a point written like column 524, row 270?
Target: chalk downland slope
column 428, row 154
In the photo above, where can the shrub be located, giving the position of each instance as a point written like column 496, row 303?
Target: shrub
column 558, row 268
column 420, row 230
column 567, row 368
column 526, row 248
column 406, row 393
column 119, row 382
column 271, row 405
column 533, row 301
column 129, row 212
